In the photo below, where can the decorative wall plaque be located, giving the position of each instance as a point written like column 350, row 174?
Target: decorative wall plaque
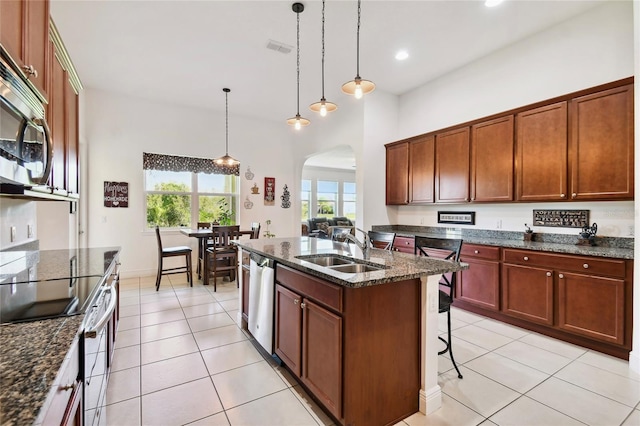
column 463, row 218
column 561, row 218
column 269, row 191
column 116, row 194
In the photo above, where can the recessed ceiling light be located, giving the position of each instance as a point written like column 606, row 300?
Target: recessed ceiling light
column 492, row 3
column 402, row 55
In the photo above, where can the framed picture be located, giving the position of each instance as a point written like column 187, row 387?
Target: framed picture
column 460, row 218
column 269, row 191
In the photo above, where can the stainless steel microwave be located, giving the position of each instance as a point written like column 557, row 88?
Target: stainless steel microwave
column 25, row 144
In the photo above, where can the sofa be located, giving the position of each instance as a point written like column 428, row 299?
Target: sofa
column 320, row 227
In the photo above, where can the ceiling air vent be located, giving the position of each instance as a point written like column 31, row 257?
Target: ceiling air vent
column 279, row 47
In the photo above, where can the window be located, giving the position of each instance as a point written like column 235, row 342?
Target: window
column 305, row 199
column 349, row 200
column 203, row 192
column 327, row 198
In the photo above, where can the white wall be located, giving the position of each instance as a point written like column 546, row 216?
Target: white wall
column 120, row 128
column 18, row 213
column 591, row 49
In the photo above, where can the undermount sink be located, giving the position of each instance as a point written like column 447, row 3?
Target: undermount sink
column 355, row 268
column 340, row 264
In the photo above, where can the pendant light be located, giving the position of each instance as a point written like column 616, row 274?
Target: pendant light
column 323, row 106
column 298, row 121
column 358, row 86
column 227, row 159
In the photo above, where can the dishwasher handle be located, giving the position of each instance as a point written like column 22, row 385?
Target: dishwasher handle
column 262, row 261
column 92, row 333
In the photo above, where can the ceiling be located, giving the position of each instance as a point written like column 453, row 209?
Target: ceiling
column 185, row 52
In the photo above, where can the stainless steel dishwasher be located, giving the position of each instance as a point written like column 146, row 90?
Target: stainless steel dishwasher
column 261, row 294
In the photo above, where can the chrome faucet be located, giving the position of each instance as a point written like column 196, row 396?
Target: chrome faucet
column 364, row 246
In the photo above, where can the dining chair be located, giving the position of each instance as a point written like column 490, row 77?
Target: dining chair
column 221, row 259
column 382, row 240
column 172, row 252
column 446, row 249
column 255, row 230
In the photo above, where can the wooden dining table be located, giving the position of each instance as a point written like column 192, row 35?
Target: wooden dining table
column 203, row 235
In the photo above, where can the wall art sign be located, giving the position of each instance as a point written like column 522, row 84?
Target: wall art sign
column 269, row 191
column 116, row 194
column 462, row 218
column 561, row 218
column 249, row 174
column 286, row 197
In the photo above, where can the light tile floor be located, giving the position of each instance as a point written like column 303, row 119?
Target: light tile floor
column 181, row 358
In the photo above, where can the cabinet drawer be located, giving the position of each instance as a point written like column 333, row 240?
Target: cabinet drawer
column 583, row 264
column 480, row 252
column 404, row 244
column 314, row 288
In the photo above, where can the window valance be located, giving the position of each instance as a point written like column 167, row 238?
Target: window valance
column 177, row 163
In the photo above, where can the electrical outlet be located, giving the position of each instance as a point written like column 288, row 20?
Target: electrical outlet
column 631, row 231
column 499, row 224
column 29, row 231
column 13, row 234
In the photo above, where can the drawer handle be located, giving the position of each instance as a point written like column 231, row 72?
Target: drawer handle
column 585, row 266
column 526, row 258
column 561, row 276
column 476, row 251
column 548, row 274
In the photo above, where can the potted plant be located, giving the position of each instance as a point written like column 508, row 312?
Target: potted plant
column 225, row 215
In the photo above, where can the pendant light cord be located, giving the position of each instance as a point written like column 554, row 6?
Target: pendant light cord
column 322, row 49
column 298, row 58
column 226, row 122
column 358, row 44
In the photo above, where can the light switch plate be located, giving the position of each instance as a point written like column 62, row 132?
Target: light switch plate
column 13, row 233
column 29, row 231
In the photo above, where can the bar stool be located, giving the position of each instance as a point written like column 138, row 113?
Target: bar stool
column 172, row 252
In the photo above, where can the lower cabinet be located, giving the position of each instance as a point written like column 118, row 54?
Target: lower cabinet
column 66, row 406
column 527, row 292
column 480, row 284
column 356, row 350
column 404, row 244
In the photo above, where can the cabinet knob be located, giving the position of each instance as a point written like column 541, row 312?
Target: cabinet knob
column 574, row 195
column 30, row 70
column 548, row 274
column 476, row 251
column 585, row 266
column 295, row 301
column 407, row 242
column 563, row 196
column 560, row 275
column 302, row 305
column 526, row 258
column 473, row 198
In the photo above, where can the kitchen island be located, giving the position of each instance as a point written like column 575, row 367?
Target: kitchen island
column 364, row 344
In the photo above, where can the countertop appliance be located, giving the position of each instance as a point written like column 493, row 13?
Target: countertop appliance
column 25, row 145
column 261, row 294
column 39, row 285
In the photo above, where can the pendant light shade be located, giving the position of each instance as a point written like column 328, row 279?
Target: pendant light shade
column 358, row 86
column 323, row 107
column 298, row 121
column 226, row 160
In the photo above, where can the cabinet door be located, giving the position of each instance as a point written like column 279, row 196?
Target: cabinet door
column 397, row 174
column 541, row 153
column 288, row 328
column 71, row 134
column 452, row 166
column 421, row 169
column 591, row 306
column 404, row 244
column 12, row 23
column 602, row 145
column 56, row 118
column 527, row 293
column 480, row 284
column 492, row 160
column 322, row 355
column 36, row 47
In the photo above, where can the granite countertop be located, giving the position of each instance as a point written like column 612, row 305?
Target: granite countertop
column 398, row 266
column 31, row 355
column 612, row 247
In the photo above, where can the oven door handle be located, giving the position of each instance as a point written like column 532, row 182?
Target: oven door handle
column 92, row 333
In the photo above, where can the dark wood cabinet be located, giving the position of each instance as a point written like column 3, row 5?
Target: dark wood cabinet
column 24, row 33
column 66, row 407
column 452, row 166
column 480, row 284
column 541, row 153
column 72, row 142
column 342, row 344
column 397, row 174
column 404, row 244
column 527, row 293
column 492, row 147
column 57, row 123
column 421, row 170
column 601, row 145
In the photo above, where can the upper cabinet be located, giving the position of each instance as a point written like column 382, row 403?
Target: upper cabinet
column 601, row 145
column 541, row 165
column 24, row 34
column 397, row 173
column 452, row 166
column 574, row 147
column 491, row 176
